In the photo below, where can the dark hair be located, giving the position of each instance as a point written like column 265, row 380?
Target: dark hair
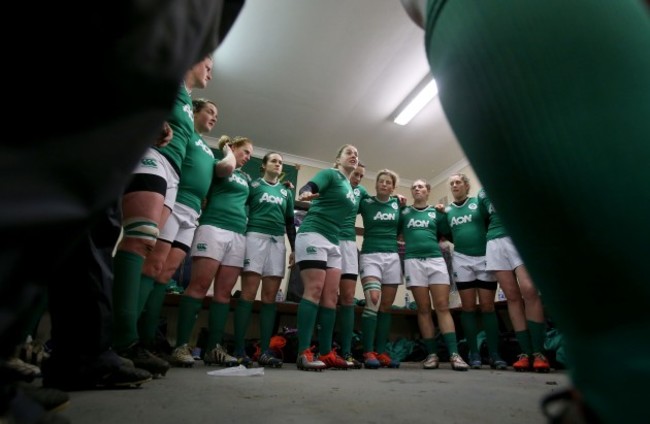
column 199, row 104
column 340, row 152
column 265, row 159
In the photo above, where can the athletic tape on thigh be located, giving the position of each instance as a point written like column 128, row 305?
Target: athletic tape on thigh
column 141, row 228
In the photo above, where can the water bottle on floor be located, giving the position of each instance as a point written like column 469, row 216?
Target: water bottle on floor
column 280, row 296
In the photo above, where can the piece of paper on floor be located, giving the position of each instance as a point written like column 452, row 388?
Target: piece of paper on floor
column 238, row 371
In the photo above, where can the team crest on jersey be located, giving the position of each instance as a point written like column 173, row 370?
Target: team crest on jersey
column 472, row 206
column 255, row 184
column 283, row 192
column 481, row 194
column 406, row 211
column 394, row 205
column 357, row 192
column 369, row 200
column 447, row 209
column 149, row 163
column 350, row 196
column 432, row 215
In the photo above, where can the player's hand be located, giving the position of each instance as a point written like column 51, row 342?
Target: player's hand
column 307, row 196
column 165, row 135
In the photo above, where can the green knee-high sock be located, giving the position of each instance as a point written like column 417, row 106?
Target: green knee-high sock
column 146, row 286
column 327, row 319
column 150, row 316
column 127, row 268
column 242, row 319
column 468, row 321
column 306, row 317
column 431, row 345
column 217, row 323
column 451, row 342
column 368, row 329
column 267, row 324
column 537, row 332
column 491, row 326
column 188, row 311
column 346, row 316
column 384, row 321
column 524, row 339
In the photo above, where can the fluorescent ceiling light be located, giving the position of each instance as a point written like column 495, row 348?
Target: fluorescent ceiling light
column 426, row 91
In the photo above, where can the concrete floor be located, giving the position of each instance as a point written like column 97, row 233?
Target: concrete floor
column 287, row 395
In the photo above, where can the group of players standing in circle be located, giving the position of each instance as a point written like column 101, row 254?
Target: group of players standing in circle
column 329, row 273
column 233, row 225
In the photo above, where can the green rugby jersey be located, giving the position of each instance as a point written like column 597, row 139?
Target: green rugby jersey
column 196, row 173
column 269, row 205
column 181, row 120
column 329, row 210
column 420, row 228
column 349, row 227
column 495, row 229
column 468, row 227
column 380, row 221
column 226, row 206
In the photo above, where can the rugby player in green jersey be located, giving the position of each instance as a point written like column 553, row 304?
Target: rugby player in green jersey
column 467, row 229
column 380, row 268
column 270, row 217
column 146, row 204
column 550, row 102
column 318, row 256
column 218, row 250
column 426, row 275
column 176, row 236
column 350, row 269
column 524, row 303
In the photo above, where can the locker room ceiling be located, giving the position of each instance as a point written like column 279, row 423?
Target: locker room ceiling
column 303, row 77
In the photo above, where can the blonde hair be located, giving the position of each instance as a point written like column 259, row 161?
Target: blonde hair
column 237, row 141
column 426, row 184
column 462, row 176
column 392, row 174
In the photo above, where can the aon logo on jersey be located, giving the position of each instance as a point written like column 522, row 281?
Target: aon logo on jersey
column 203, row 146
column 188, row 110
column 417, row 223
column 384, row 217
column 239, row 180
column 457, row 220
column 269, row 198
